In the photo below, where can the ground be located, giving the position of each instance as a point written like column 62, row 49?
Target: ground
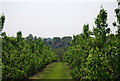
column 56, row 70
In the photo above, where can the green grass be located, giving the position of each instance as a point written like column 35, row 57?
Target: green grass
column 56, row 70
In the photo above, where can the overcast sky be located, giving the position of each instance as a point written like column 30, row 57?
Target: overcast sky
column 50, row 18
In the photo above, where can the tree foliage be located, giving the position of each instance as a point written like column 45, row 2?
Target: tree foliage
column 95, row 57
column 21, row 59
column 2, row 21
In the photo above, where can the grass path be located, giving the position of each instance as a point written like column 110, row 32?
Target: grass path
column 57, row 70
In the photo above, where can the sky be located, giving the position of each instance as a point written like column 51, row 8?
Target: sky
column 51, row 18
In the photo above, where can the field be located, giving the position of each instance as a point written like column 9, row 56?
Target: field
column 91, row 55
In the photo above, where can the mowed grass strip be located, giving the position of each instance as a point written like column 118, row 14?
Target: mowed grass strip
column 56, row 70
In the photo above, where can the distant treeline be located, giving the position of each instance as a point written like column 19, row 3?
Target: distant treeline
column 55, row 42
